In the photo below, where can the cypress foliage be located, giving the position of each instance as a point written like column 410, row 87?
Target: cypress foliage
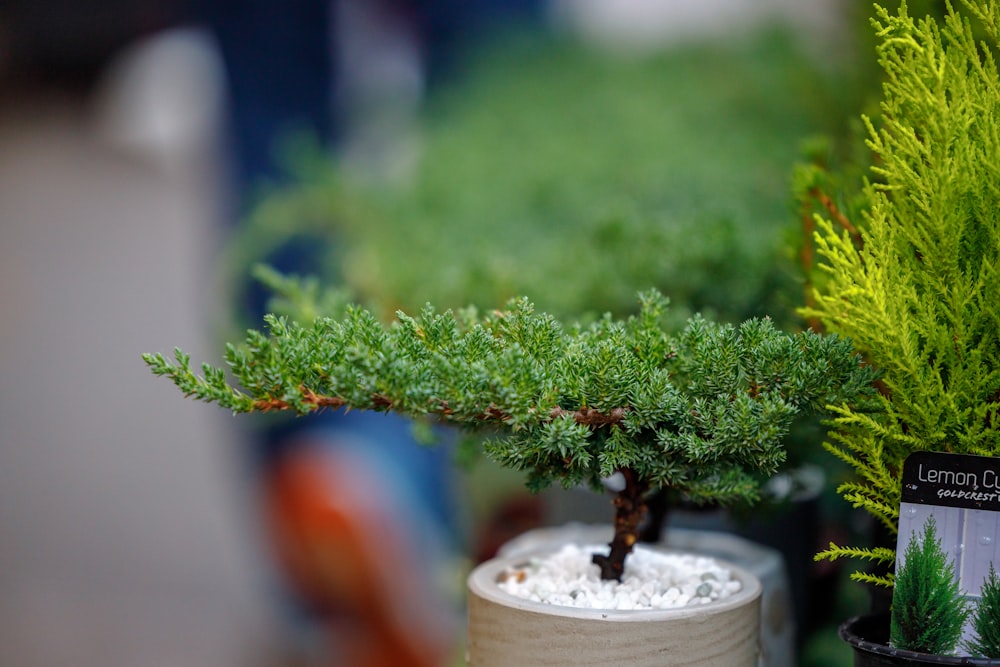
column 916, row 282
column 928, row 610
column 702, row 411
column 986, row 619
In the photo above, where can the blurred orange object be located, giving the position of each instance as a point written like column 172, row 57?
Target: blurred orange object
column 346, row 558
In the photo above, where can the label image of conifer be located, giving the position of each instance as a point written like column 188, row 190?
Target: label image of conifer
column 928, row 610
column 986, row 620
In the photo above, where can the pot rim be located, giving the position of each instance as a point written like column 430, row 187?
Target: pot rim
column 482, row 581
column 847, row 632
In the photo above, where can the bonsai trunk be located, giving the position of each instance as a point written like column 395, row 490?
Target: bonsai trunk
column 630, row 508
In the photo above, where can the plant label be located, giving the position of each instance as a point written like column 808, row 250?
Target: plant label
column 959, row 495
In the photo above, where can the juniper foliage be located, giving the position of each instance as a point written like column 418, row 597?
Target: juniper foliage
column 916, row 282
column 986, row 619
column 702, row 411
column 928, row 609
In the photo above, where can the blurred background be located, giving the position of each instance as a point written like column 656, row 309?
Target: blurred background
column 456, row 151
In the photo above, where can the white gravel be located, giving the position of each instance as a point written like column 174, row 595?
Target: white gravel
column 652, row 580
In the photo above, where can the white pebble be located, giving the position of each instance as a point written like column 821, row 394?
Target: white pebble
column 652, row 580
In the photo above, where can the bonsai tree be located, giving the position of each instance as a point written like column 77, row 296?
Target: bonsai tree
column 986, row 619
column 699, row 411
column 915, row 282
column 684, row 187
column 929, row 609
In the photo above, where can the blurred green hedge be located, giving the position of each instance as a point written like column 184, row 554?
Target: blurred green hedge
column 578, row 178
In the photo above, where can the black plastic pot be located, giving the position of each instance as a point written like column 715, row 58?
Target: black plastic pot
column 869, row 636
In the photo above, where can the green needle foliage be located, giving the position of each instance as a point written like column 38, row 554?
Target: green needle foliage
column 700, row 411
column 986, row 619
column 928, row 609
column 915, row 283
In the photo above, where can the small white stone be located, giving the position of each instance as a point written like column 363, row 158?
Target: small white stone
column 652, row 580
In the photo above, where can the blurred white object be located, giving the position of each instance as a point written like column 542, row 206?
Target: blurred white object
column 641, row 26
column 163, row 98
column 125, row 538
column 382, row 80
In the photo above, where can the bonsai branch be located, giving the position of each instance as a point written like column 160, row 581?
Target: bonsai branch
column 309, row 397
column 586, row 416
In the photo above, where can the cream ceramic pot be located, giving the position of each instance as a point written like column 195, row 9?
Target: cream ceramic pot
column 505, row 630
